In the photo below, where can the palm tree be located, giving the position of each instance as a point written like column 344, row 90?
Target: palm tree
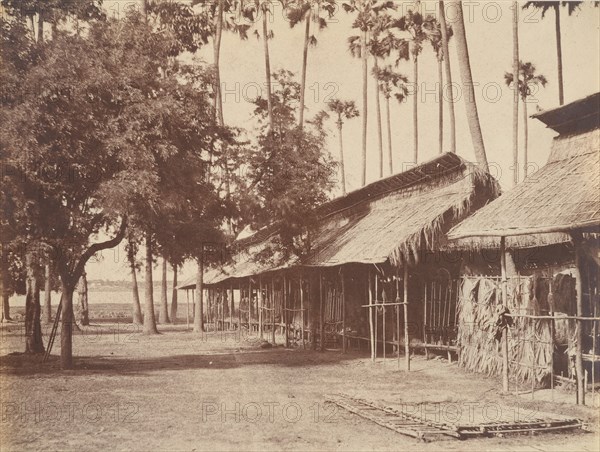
column 380, row 46
column 437, row 41
column 344, row 110
column 545, row 7
column 527, row 79
column 299, row 10
column 358, row 48
column 387, row 80
column 464, row 63
column 416, row 30
column 515, row 35
column 445, row 38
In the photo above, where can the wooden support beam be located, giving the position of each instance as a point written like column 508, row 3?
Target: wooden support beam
column 343, row 311
column 505, row 303
column 406, row 339
column 302, row 310
column 577, row 239
column 284, row 312
column 273, row 310
column 260, row 307
column 371, row 329
column 398, row 319
column 321, row 316
column 187, row 294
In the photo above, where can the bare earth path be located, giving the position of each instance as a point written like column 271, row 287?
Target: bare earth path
column 178, row 391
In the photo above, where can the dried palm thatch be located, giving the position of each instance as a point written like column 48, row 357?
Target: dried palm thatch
column 563, row 195
column 392, row 219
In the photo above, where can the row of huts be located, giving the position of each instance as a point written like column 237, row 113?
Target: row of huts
column 434, row 260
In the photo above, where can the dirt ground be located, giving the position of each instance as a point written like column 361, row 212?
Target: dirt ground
column 181, row 391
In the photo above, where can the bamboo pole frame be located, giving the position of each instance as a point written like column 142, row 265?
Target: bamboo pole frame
column 505, row 302
column 302, row 310
column 321, row 316
column 406, row 339
column 343, row 310
column 371, row 329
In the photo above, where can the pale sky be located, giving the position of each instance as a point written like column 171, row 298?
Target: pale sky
column 332, row 72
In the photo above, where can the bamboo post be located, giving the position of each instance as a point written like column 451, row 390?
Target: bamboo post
column 344, row 311
column 425, row 321
column 579, row 323
column 302, row 311
column 249, row 306
column 273, row 310
column 594, row 352
column 376, row 313
column 194, row 302
column 505, row 302
column 383, row 320
column 285, row 312
column 187, row 294
column 260, row 307
column 232, row 306
column 321, row 318
column 371, row 316
column 406, row 343
column 398, row 319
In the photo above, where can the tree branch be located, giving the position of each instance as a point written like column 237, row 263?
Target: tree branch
column 93, row 249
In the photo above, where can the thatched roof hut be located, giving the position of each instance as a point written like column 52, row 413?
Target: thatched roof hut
column 391, row 220
column 562, row 196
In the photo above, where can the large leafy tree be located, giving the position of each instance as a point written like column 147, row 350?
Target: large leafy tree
column 115, row 136
column 291, row 170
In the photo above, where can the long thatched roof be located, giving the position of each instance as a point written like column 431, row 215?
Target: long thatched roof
column 562, row 196
column 392, row 220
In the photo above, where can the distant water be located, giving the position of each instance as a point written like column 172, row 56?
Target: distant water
column 96, row 297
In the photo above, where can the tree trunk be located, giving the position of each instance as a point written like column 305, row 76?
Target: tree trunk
column 163, row 313
column 47, row 294
column 217, row 56
column 462, row 50
column 448, row 71
column 342, row 168
column 415, row 110
column 389, row 136
column 4, row 289
column 267, row 66
column 149, row 317
column 136, row 309
column 379, row 125
column 82, row 290
column 33, row 310
column 516, row 96
column 66, row 332
column 304, row 64
column 365, row 108
column 199, row 306
column 40, row 27
column 525, row 133
column 440, row 110
column 561, row 95
column 174, row 295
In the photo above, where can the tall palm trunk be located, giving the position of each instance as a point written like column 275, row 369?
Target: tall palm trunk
column 47, row 294
column 451, row 116
column 149, row 317
column 342, row 168
column 163, row 313
column 136, row 308
column 415, row 110
column 4, row 289
column 440, row 109
column 525, row 138
column 217, row 56
column 363, row 55
column 40, row 26
column 379, row 125
column 389, row 135
column 515, row 36
column 267, row 66
column 561, row 95
column 304, row 64
column 462, row 50
column 174, row 295
column 199, row 305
